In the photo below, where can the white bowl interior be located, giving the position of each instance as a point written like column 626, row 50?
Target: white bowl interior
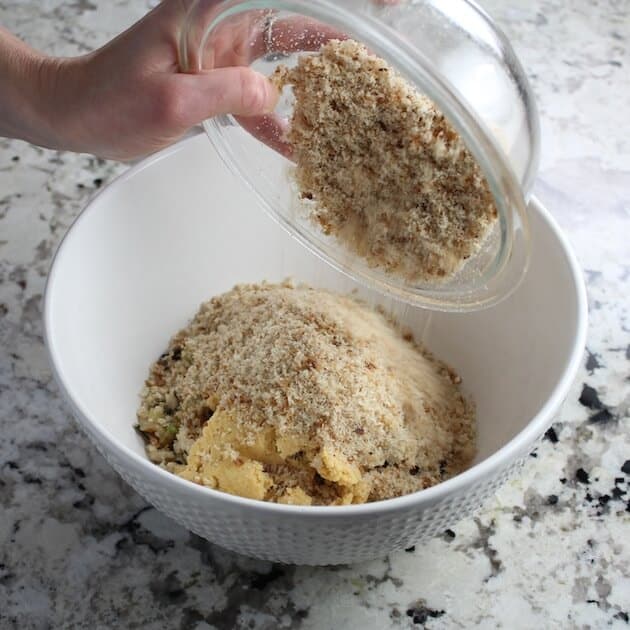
column 137, row 264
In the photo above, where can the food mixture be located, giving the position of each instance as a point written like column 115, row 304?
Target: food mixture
column 297, row 395
column 380, row 168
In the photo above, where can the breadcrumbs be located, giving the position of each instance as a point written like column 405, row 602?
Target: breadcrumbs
column 380, row 168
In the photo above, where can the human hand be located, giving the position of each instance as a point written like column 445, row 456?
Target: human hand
column 131, row 97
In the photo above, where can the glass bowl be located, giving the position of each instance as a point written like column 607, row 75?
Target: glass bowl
column 450, row 51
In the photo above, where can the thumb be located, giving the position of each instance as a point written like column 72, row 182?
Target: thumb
column 240, row 91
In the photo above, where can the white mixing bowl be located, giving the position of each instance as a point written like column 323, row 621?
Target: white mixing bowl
column 178, row 229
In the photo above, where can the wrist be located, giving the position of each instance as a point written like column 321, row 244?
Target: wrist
column 55, row 104
column 17, row 65
column 32, row 88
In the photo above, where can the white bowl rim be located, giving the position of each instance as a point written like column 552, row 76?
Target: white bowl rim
column 498, row 460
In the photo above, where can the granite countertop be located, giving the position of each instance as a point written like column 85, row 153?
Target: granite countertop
column 79, row 548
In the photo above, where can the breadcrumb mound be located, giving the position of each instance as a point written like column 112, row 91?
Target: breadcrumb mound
column 298, row 395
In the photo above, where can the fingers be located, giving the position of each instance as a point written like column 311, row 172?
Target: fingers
column 238, row 41
column 239, row 91
column 249, row 96
column 242, row 39
column 296, row 34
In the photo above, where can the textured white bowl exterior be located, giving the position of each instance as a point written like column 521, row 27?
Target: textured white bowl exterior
column 151, row 232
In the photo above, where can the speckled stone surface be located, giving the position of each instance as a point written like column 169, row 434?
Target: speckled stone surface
column 78, row 547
